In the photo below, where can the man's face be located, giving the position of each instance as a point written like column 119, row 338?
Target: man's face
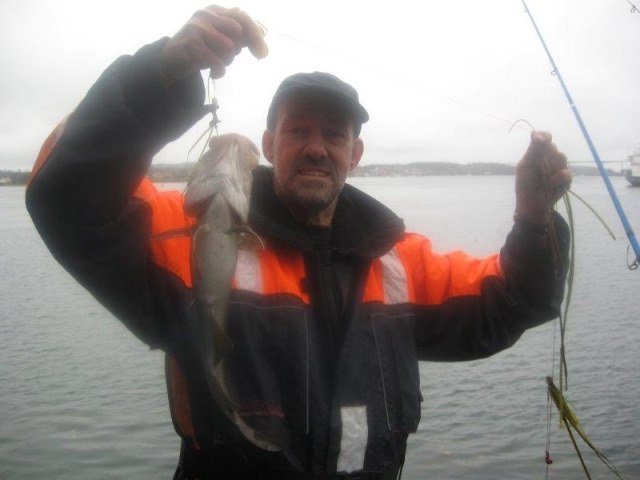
column 312, row 148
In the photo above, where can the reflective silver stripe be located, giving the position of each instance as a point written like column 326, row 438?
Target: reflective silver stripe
column 353, row 443
column 394, row 278
column 248, row 274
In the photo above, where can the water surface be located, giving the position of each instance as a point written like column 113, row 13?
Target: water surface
column 81, row 398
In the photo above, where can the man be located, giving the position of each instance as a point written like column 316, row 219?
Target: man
column 330, row 319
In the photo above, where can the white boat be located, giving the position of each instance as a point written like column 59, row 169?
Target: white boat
column 633, row 173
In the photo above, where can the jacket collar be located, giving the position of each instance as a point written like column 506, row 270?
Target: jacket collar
column 361, row 224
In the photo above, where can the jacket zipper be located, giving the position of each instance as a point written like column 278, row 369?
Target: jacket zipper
column 384, row 388
column 329, row 314
column 328, row 301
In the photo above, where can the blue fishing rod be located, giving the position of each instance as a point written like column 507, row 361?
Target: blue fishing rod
column 603, row 172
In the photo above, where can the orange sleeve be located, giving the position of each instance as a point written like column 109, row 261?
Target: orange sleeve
column 436, row 278
column 46, row 149
column 170, row 241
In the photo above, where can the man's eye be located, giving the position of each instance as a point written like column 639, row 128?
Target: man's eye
column 296, row 130
column 336, row 133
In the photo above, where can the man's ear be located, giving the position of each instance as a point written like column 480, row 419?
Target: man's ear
column 356, row 153
column 267, row 146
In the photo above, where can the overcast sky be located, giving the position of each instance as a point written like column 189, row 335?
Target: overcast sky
column 433, row 75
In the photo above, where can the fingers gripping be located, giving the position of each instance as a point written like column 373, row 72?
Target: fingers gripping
column 211, row 39
column 542, row 178
column 253, row 34
column 236, row 26
column 543, row 156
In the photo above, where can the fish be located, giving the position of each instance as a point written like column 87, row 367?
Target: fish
column 217, row 195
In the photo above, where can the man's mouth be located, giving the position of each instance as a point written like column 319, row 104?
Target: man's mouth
column 313, row 173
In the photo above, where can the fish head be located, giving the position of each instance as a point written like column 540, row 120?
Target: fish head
column 224, row 168
column 241, row 152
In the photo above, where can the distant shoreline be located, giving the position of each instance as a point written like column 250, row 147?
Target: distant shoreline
column 164, row 173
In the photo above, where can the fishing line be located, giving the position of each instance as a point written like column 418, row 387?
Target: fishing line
column 547, row 450
column 603, row 172
column 602, row 222
column 633, row 265
column 634, row 9
column 556, row 256
column 517, row 122
column 211, row 106
column 567, row 416
column 417, row 86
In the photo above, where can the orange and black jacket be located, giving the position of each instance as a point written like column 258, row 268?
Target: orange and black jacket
column 328, row 327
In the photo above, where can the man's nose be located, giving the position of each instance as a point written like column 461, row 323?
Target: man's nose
column 315, row 147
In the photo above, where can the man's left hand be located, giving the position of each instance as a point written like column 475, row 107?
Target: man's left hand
column 542, row 177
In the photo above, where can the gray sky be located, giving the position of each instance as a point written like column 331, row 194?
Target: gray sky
column 408, row 60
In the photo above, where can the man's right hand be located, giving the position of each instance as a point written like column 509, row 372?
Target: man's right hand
column 210, row 39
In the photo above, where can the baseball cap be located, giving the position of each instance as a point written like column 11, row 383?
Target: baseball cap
column 319, row 83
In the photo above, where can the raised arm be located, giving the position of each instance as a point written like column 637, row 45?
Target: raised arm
column 470, row 308
column 81, row 192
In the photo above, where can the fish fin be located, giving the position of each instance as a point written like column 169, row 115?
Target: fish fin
column 199, row 194
column 270, row 441
column 223, row 344
column 248, row 239
column 174, row 233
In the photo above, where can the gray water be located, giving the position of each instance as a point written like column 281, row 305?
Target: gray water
column 81, row 398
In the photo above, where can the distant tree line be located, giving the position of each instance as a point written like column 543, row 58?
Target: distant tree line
column 10, row 177
column 166, row 173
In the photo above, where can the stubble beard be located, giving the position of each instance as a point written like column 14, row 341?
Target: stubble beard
column 308, row 195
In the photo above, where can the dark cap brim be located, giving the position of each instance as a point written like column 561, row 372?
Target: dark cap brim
column 321, row 84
